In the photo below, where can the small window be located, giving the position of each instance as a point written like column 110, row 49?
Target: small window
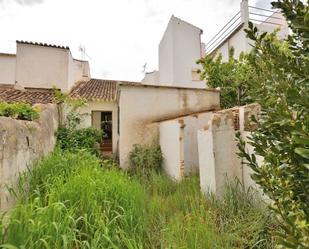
column 195, row 74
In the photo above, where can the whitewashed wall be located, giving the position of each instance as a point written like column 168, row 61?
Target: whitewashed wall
column 7, row 68
column 179, row 50
column 166, row 56
column 81, row 70
column 218, row 160
column 171, row 144
column 37, row 66
column 151, row 78
column 142, row 106
column 217, row 145
column 179, row 144
column 42, row 67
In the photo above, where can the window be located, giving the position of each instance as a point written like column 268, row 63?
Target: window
column 195, row 75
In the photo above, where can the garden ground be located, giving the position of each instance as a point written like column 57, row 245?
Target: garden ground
column 74, row 200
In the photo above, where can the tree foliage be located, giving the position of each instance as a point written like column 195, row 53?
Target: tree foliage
column 233, row 77
column 282, row 135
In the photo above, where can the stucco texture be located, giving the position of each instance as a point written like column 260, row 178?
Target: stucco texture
column 22, row 143
column 143, row 107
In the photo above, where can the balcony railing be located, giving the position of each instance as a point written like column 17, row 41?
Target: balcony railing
column 224, row 33
column 256, row 15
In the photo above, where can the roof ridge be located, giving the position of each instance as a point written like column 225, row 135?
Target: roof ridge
column 42, row 44
column 187, row 23
column 117, row 81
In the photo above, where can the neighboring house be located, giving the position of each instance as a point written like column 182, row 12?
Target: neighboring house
column 41, row 65
column 179, row 50
column 233, row 33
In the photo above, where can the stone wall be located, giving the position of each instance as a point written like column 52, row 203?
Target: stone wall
column 21, row 144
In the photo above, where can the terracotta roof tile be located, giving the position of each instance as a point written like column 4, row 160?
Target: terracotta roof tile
column 96, row 90
column 106, row 90
column 43, row 44
column 10, row 95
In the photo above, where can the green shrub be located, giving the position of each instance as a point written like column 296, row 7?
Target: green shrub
column 77, row 139
column 281, row 136
column 21, row 111
column 145, row 158
column 72, row 137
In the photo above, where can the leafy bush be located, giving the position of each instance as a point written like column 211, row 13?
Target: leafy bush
column 77, row 139
column 70, row 136
column 21, row 111
column 282, row 135
column 145, row 158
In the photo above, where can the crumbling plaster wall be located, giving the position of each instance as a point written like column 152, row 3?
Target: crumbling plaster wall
column 178, row 142
column 22, row 143
column 217, row 145
column 171, row 144
column 141, row 108
column 218, row 160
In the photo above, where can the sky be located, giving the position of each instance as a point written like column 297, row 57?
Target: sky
column 119, row 36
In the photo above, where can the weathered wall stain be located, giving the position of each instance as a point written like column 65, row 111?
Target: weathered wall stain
column 22, row 143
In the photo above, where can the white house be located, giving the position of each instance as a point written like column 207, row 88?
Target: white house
column 41, row 65
column 232, row 34
column 179, row 50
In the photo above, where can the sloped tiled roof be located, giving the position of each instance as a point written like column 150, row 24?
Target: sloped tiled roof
column 96, row 90
column 34, row 96
column 42, row 44
column 106, row 90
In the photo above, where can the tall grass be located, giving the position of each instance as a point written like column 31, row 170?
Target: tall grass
column 180, row 216
column 73, row 203
column 69, row 201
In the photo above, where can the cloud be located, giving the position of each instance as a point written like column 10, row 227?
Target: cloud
column 22, row 2
column 263, row 4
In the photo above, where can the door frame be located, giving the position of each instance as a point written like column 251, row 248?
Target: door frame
column 112, row 113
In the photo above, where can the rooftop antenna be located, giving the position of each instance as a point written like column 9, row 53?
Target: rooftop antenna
column 82, row 50
column 83, row 53
column 144, row 68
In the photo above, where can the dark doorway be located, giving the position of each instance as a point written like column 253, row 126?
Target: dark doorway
column 107, row 127
column 103, row 120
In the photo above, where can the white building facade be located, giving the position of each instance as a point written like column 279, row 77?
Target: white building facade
column 38, row 65
column 179, row 50
column 233, row 34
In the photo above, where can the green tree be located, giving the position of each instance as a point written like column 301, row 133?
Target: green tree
column 282, row 134
column 233, row 77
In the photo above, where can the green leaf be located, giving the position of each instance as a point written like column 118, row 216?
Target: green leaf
column 302, row 152
column 8, row 246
